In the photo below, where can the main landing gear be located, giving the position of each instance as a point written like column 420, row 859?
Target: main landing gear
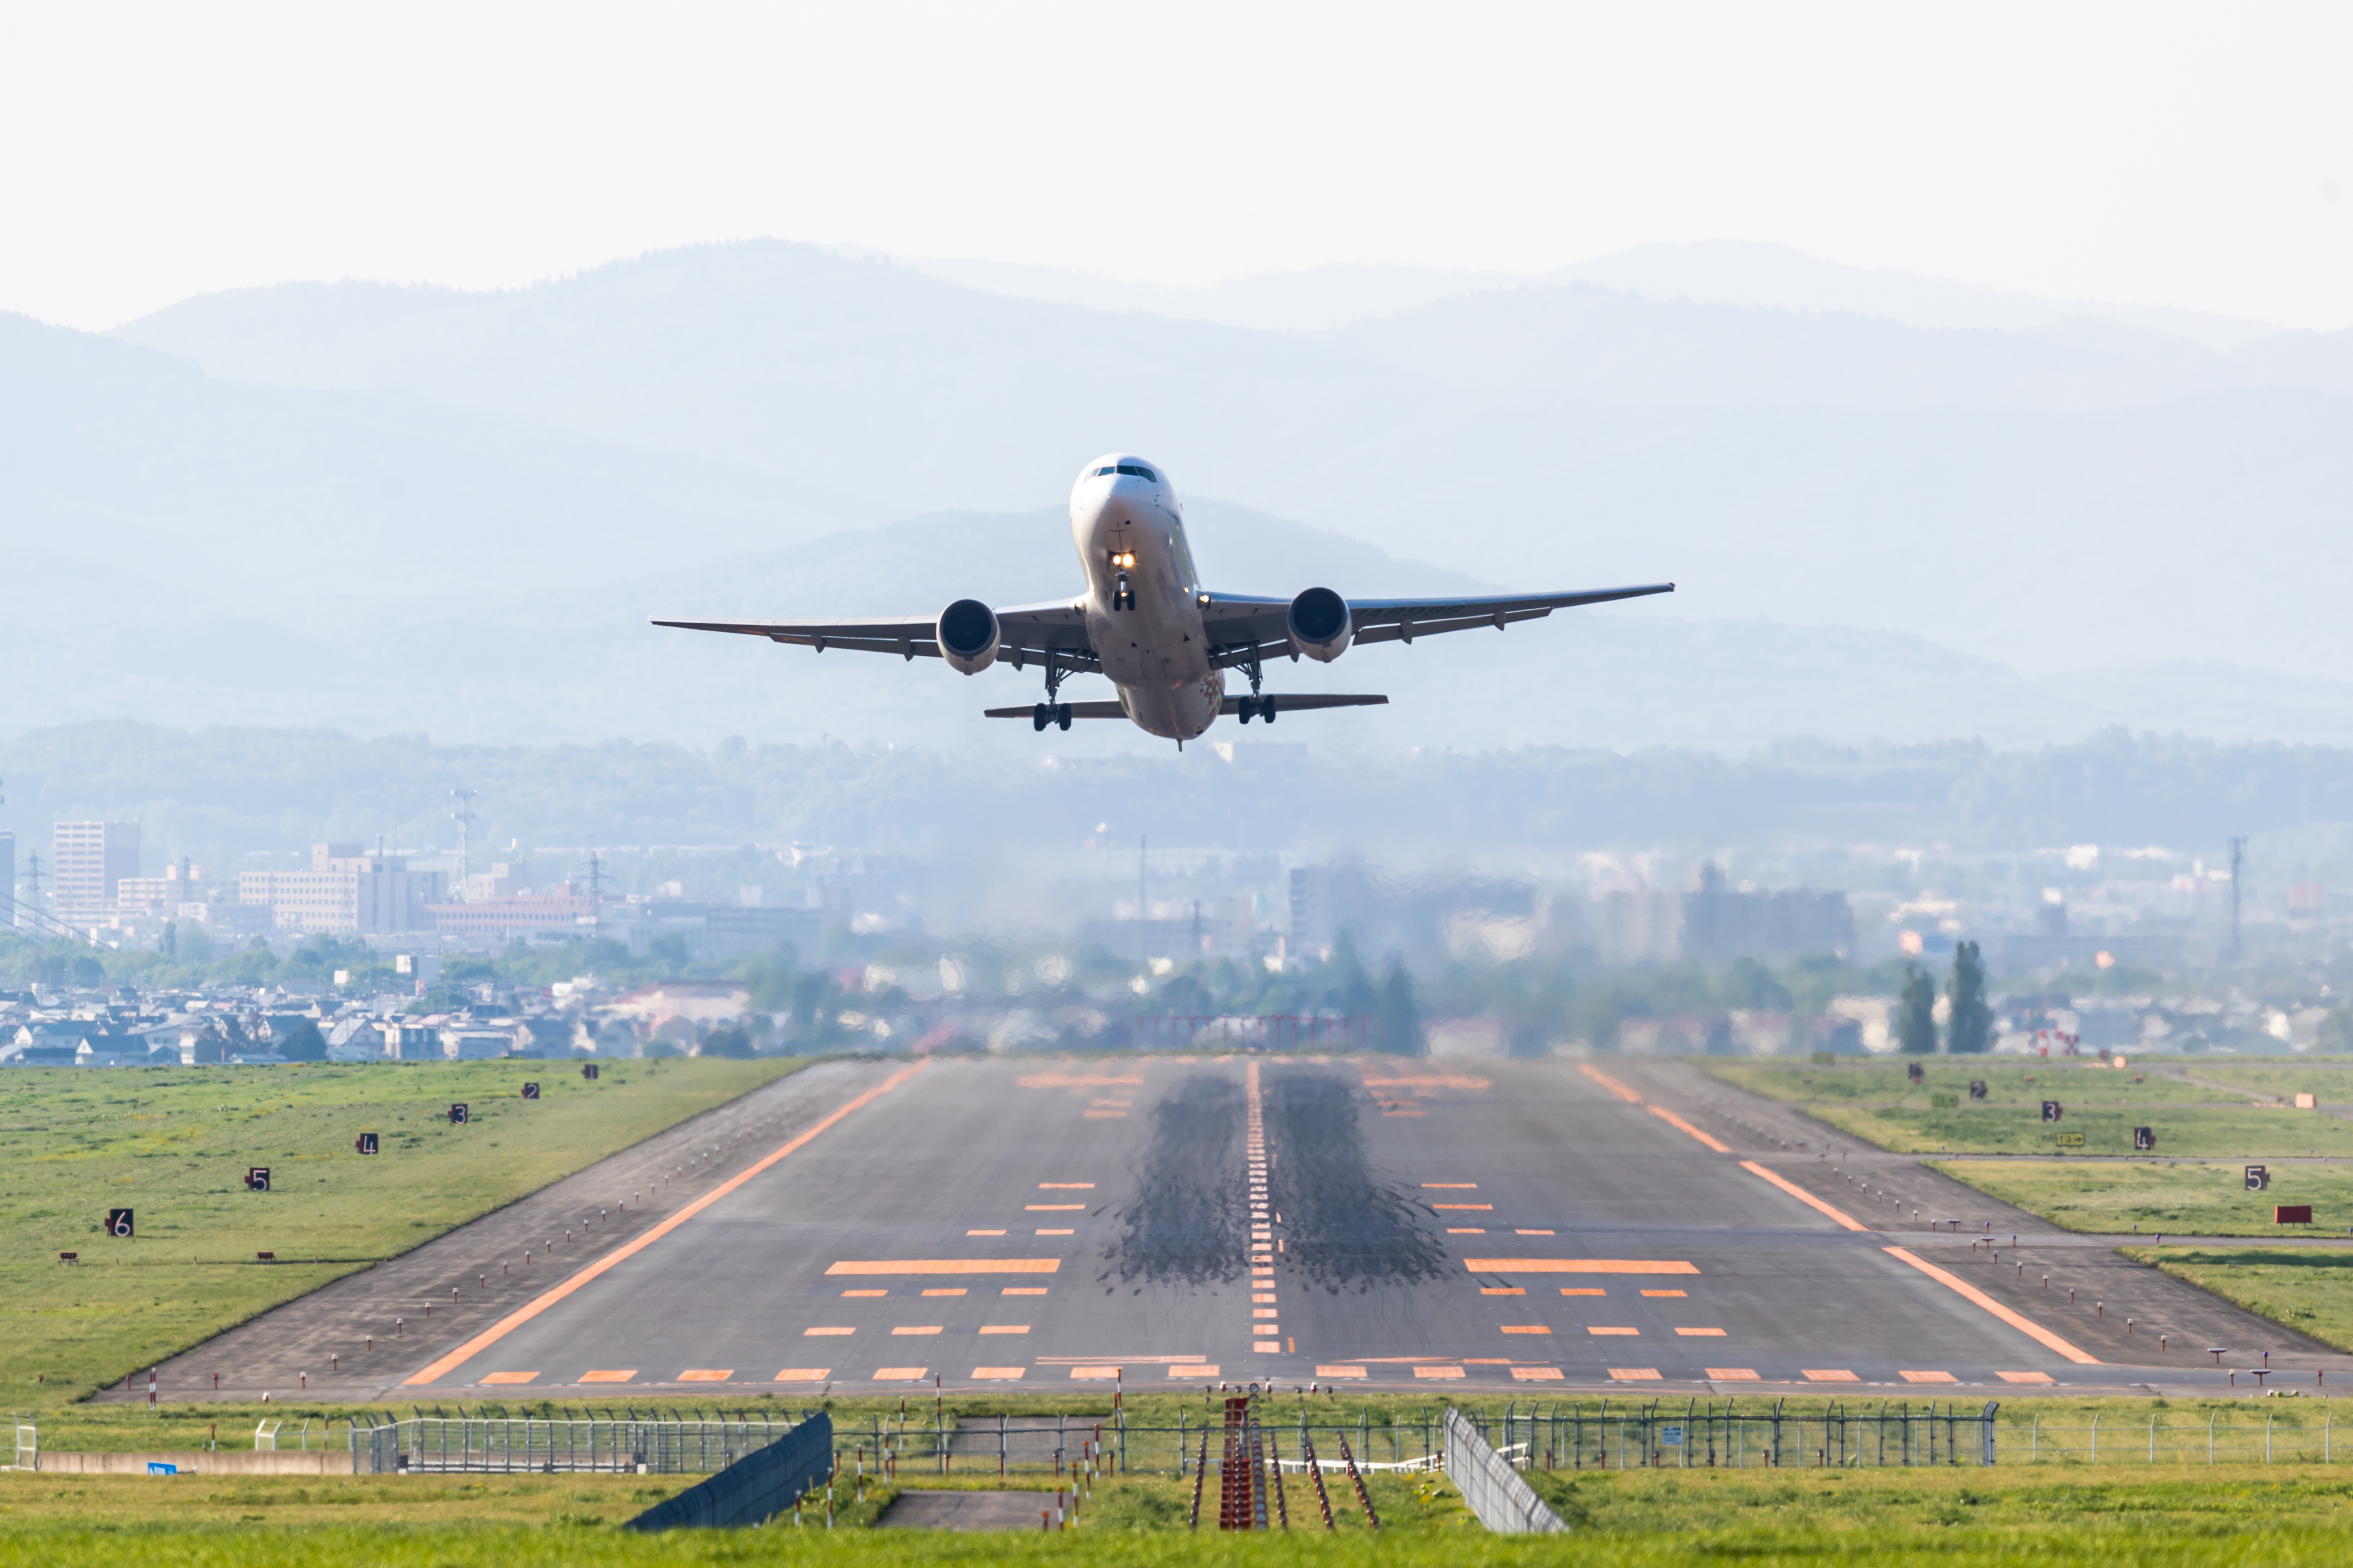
column 1261, row 706
column 1053, row 710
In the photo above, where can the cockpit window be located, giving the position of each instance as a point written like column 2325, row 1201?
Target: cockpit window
column 1138, row 470
column 1101, row 472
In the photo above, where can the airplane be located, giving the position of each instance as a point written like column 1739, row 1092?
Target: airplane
column 1146, row 621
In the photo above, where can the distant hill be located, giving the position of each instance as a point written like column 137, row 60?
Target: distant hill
column 2081, row 494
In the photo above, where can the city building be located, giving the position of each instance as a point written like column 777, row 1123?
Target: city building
column 345, row 892
column 493, row 920
column 88, row 861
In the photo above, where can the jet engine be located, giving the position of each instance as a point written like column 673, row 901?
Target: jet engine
column 1319, row 625
column 967, row 634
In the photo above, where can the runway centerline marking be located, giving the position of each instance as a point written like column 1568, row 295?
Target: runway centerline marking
column 2018, row 1321
column 525, row 1314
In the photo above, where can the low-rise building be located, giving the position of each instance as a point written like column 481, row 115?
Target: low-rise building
column 345, row 892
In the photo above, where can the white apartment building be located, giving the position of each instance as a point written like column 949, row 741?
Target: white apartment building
column 88, row 861
column 345, row 892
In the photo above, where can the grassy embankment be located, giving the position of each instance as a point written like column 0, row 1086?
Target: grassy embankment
column 173, row 1145
column 1965, row 1518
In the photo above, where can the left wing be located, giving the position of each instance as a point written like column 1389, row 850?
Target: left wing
column 1025, row 633
column 1243, row 628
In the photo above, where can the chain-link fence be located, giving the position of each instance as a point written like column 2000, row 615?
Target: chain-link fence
column 476, row 1443
column 1492, row 1485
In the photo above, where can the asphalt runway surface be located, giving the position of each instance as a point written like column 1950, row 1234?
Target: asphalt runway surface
column 1161, row 1221
column 1158, row 1221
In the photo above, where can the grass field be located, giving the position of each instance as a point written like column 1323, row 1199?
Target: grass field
column 2175, row 1198
column 2310, row 1288
column 173, row 1144
column 1960, row 1517
column 1872, row 1100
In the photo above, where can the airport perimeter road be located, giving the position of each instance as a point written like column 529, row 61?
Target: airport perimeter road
column 1164, row 1220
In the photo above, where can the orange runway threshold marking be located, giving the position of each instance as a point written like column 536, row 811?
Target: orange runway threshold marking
column 803, row 1374
column 1927, row 1377
column 1480, row 1206
column 1526, row 1329
column 1066, row 1187
column 1583, row 1290
column 1339, row 1372
column 1731, row 1373
column 1531, row 1233
column 900, row 1373
column 1053, row 1208
column 2018, row 1321
column 1023, row 1290
column 1680, row 1125
column 1666, row 1293
column 1700, row 1333
column 522, row 1315
column 808, row 1333
column 996, row 1373
column 1634, row 1373
column 510, row 1377
column 608, row 1376
column 914, row 1266
column 1202, row 1369
column 1578, row 1266
column 1450, row 1186
column 1058, row 1233
column 2023, row 1376
column 866, row 1292
column 1537, row 1373
column 1005, row 1328
column 701, row 1374
column 1094, row 1372
column 1828, row 1375
column 1612, row 1084
column 1438, row 1372
column 1503, row 1290
column 1610, row 1330
column 928, row 1329
column 936, row 1291
column 1464, row 1230
column 984, row 1233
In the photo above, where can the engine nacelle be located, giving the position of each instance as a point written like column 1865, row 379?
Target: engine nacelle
column 967, row 634
column 1319, row 625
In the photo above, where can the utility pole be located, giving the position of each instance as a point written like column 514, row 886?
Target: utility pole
column 2238, row 858
column 464, row 817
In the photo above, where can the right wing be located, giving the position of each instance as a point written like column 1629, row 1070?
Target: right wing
column 1025, row 633
column 1243, row 627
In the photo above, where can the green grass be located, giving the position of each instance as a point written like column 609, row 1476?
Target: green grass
column 2193, row 1132
column 1966, row 1518
column 173, row 1144
column 2112, row 1196
column 2308, row 1288
column 2010, row 1083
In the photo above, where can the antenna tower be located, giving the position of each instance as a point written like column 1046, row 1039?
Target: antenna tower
column 595, row 868
column 2238, row 858
column 464, row 817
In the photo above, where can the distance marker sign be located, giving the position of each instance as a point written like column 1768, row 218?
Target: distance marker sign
column 531, row 1091
column 457, row 1113
column 118, row 1223
column 367, row 1143
column 256, row 1178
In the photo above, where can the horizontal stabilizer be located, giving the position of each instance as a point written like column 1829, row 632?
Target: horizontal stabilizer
column 1231, row 707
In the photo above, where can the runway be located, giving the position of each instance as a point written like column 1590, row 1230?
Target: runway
column 1161, row 1220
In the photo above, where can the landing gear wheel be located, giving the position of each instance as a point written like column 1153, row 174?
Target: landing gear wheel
column 1246, row 707
column 1038, row 717
column 1266, row 710
column 1062, row 715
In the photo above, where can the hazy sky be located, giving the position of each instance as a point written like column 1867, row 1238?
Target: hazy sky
column 2190, row 155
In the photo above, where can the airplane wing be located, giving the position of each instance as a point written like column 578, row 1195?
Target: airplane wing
column 1231, row 706
column 1027, row 634
column 1244, row 627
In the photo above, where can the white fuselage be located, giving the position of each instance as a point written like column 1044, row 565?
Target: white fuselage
column 1129, row 525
